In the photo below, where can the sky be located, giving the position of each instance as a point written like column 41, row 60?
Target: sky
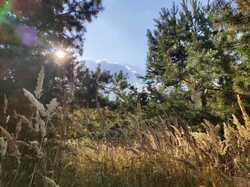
column 118, row 35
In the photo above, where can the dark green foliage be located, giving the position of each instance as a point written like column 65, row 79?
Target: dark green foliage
column 55, row 24
column 193, row 59
column 91, row 87
column 235, row 20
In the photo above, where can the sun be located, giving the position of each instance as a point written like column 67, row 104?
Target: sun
column 60, row 54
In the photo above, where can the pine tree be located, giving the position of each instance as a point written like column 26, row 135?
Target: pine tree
column 234, row 18
column 31, row 30
column 91, row 87
column 189, row 57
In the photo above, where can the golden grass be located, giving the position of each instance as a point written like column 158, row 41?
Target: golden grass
column 170, row 156
column 162, row 154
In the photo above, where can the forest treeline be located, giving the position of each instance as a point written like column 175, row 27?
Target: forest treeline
column 64, row 125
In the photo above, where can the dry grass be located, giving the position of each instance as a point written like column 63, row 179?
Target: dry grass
column 170, row 156
column 40, row 150
column 161, row 154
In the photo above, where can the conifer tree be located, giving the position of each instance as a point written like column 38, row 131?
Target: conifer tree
column 188, row 56
column 234, row 18
column 29, row 32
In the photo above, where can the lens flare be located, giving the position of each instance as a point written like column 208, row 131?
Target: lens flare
column 5, row 8
column 27, row 35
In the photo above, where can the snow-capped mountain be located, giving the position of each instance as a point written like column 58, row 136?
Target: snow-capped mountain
column 113, row 68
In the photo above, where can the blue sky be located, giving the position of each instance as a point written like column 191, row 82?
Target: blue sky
column 119, row 33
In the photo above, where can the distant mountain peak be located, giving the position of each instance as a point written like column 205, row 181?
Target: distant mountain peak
column 113, row 68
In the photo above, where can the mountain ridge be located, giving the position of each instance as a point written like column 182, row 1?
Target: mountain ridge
column 131, row 73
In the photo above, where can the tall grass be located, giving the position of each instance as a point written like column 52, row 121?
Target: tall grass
column 52, row 148
column 170, row 156
column 27, row 154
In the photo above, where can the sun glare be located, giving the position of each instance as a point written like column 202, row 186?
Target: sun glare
column 60, row 54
